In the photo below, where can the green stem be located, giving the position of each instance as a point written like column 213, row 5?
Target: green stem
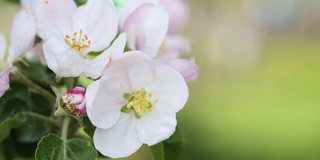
column 35, row 87
column 64, row 132
column 42, row 117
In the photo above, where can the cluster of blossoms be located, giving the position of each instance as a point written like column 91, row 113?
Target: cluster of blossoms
column 131, row 52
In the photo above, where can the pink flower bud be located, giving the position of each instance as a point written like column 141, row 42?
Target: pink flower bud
column 74, row 101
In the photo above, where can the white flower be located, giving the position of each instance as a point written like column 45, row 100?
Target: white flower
column 70, row 33
column 22, row 39
column 146, row 23
column 178, row 11
column 146, row 27
column 134, row 103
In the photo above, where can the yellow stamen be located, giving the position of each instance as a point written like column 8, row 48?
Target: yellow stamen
column 78, row 42
column 140, row 102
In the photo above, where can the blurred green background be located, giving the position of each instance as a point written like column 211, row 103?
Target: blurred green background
column 258, row 94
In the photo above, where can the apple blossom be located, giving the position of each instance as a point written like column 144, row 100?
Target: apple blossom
column 146, row 24
column 22, row 39
column 134, row 103
column 71, row 33
column 178, row 11
column 74, row 102
column 146, row 28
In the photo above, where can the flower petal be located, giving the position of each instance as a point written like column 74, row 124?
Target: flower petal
column 170, row 89
column 54, row 17
column 61, row 59
column 119, row 141
column 3, row 45
column 156, row 126
column 118, row 45
column 178, row 13
column 96, row 66
column 36, row 54
column 187, row 68
column 134, row 69
column 23, row 33
column 4, row 81
column 146, row 28
column 128, row 8
column 99, row 20
column 104, row 103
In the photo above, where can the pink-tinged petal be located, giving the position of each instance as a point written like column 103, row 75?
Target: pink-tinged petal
column 119, row 141
column 3, row 45
column 178, row 11
column 156, row 126
column 36, row 54
column 104, row 103
column 4, row 81
column 146, row 28
column 188, row 69
column 176, row 43
column 75, row 95
column 61, row 59
column 77, row 91
column 23, row 33
column 99, row 20
column 95, row 67
column 169, row 88
column 54, row 17
column 129, row 7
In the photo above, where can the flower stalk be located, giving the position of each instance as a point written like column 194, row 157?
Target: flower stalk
column 50, row 97
column 42, row 118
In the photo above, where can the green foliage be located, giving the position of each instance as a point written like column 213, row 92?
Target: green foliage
column 158, row 151
column 10, row 117
column 88, row 127
column 174, row 145
column 80, row 2
column 170, row 149
column 51, row 147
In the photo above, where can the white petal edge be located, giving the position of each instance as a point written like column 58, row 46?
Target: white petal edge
column 3, row 45
column 146, row 28
column 170, row 89
column 99, row 20
column 156, row 126
column 96, row 66
column 119, row 141
column 104, row 103
column 22, row 38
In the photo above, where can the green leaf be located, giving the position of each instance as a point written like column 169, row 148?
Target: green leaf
column 88, row 127
column 80, row 2
column 174, row 145
column 32, row 131
column 158, row 151
column 8, row 124
column 51, row 147
column 170, row 149
column 10, row 117
column 37, row 73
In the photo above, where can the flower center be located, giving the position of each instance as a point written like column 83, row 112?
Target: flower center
column 139, row 102
column 78, row 41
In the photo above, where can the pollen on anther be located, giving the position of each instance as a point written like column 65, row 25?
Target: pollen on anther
column 78, row 42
